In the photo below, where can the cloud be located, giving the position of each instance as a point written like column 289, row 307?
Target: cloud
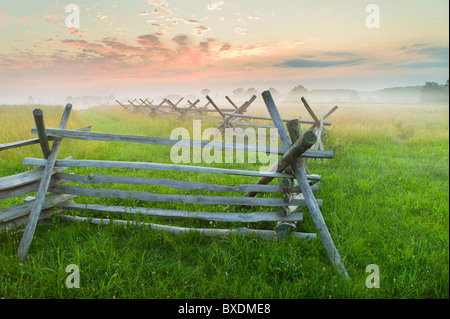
column 225, row 47
column 145, row 57
column 189, row 21
column 440, row 53
column 4, row 17
column 302, row 63
column 121, row 47
column 77, row 32
column 149, row 40
column 216, row 5
column 181, row 40
column 88, row 47
column 200, row 30
column 339, row 54
column 421, row 56
column 239, row 30
column 424, row 65
column 205, row 46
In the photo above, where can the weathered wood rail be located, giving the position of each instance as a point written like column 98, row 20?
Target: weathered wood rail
column 295, row 184
column 22, row 184
column 168, row 107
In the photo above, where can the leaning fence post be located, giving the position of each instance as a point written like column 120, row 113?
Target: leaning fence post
column 215, row 106
column 30, row 228
column 293, row 153
column 231, row 102
column 40, row 126
column 311, row 202
column 295, row 133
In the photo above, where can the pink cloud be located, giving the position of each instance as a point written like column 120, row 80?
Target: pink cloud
column 90, row 48
column 216, row 5
column 77, row 32
column 225, row 47
column 189, row 21
column 4, row 17
column 149, row 40
column 144, row 57
column 200, row 30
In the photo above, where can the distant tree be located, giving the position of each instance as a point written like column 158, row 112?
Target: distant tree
column 296, row 93
column 69, row 99
column 30, row 100
column 252, row 91
column 299, row 89
column 354, row 97
column 206, row 92
column 433, row 92
column 274, row 92
column 238, row 91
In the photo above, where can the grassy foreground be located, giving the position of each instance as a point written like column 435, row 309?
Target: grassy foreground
column 385, row 200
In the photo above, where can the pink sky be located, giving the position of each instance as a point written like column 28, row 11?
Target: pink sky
column 157, row 46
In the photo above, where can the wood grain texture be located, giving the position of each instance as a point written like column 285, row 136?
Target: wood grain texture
column 292, row 154
column 30, row 228
column 152, row 166
column 211, row 216
column 188, row 199
column 23, row 209
column 177, row 184
column 111, row 137
column 311, row 203
column 264, row 234
column 40, row 127
column 254, row 117
column 26, row 177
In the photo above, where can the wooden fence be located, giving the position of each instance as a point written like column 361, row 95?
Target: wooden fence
column 297, row 187
column 230, row 118
column 166, row 106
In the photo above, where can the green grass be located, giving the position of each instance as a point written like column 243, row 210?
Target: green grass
column 385, row 200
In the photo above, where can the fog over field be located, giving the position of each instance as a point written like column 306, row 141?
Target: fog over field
column 360, row 127
column 93, row 52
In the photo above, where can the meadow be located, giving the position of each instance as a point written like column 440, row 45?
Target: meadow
column 385, row 196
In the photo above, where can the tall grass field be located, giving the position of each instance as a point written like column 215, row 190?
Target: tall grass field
column 385, row 201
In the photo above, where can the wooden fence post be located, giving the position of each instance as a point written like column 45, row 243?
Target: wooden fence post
column 311, row 203
column 231, row 102
column 40, row 126
column 30, row 228
column 294, row 151
column 295, row 133
column 215, row 106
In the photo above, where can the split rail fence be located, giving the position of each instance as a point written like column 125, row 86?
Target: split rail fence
column 166, row 106
column 53, row 196
column 230, row 118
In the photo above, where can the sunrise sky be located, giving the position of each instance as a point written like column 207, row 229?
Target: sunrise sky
column 183, row 46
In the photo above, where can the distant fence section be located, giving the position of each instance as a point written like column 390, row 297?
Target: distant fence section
column 295, row 184
column 167, row 106
column 229, row 117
